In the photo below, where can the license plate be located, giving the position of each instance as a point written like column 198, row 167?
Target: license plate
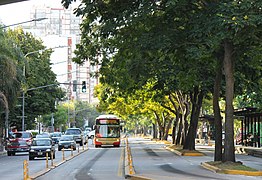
column 40, row 153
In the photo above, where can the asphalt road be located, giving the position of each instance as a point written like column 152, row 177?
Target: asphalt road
column 96, row 163
column 12, row 167
column 153, row 161
column 150, row 160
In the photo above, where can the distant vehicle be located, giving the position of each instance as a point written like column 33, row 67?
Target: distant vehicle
column 66, row 142
column 43, row 135
column 88, row 129
column 19, row 142
column 78, row 135
column 40, row 147
column 91, row 134
column 86, row 135
column 56, row 136
column 107, row 131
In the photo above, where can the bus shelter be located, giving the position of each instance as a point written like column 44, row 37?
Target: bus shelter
column 251, row 126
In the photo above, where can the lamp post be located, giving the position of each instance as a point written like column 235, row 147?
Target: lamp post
column 23, row 93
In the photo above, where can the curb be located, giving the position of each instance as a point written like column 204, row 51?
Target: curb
column 40, row 173
column 227, row 171
column 135, row 177
column 185, row 153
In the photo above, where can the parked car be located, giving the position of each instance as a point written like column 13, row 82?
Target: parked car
column 41, row 146
column 66, row 142
column 56, row 136
column 91, row 134
column 78, row 135
column 19, row 142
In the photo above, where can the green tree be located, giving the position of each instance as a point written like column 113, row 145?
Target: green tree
column 36, row 62
column 9, row 80
column 175, row 43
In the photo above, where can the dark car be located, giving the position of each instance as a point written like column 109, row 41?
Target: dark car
column 77, row 133
column 66, row 142
column 19, row 142
column 41, row 146
column 56, row 136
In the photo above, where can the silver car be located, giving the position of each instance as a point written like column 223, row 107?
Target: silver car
column 78, row 135
column 66, row 142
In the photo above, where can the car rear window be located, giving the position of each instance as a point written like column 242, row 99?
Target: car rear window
column 41, row 143
column 73, row 131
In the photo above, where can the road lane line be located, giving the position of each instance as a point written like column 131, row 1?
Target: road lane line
column 120, row 163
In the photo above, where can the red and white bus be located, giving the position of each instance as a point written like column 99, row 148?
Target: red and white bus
column 107, row 131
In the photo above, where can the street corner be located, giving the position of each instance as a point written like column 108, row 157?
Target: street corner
column 184, row 152
column 215, row 169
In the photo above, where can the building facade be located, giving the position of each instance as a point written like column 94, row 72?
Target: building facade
column 61, row 31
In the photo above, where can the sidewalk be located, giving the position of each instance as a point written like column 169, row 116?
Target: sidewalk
column 243, row 154
column 3, row 153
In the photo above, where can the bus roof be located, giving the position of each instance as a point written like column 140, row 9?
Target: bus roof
column 107, row 116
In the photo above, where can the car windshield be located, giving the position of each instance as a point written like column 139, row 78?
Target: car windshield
column 107, row 131
column 73, row 131
column 21, row 135
column 67, row 138
column 41, row 143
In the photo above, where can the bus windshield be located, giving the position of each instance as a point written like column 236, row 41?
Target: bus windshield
column 107, row 131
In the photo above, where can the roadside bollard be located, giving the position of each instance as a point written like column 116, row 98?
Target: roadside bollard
column 52, row 158
column 83, row 147
column 46, row 160
column 72, row 151
column 63, row 154
column 26, row 175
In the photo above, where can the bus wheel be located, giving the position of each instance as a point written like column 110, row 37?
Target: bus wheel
column 97, row 146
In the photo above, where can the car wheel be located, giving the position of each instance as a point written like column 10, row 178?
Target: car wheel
column 54, row 156
column 31, row 158
column 81, row 143
column 9, row 153
column 59, row 149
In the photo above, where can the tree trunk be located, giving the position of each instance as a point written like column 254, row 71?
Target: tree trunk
column 217, row 115
column 196, row 100
column 179, row 133
column 229, row 121
column 154, row 131
column 174, row 128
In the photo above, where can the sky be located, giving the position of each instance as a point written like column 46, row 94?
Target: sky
column 20, row 12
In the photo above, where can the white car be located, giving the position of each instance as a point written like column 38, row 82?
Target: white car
column 91, row 134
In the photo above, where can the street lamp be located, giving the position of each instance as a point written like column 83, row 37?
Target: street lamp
column 23, row 93
column 32, row 20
